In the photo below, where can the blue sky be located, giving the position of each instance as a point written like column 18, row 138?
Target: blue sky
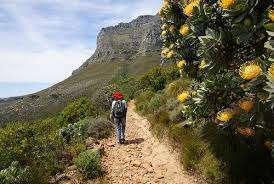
column 45, row 40
column 17, row 89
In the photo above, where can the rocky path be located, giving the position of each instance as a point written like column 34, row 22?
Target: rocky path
column 143, row 159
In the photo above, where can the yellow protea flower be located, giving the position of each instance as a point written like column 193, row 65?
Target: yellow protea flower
column 271, row 15
column 226, row 4
column 250, row 70
column 164, row 52
column 271, row 71
column 172, row 28
column 183, row 96
column 181, row 64
column 170, row 54
column 225, row 115
column 188, row 10
column 164, row 33
column 202, row 64
column 246, row 104
column 184, row 30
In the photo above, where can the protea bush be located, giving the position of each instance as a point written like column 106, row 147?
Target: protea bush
column 226, row 47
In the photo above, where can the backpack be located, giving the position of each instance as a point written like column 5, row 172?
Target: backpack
column 119, row 109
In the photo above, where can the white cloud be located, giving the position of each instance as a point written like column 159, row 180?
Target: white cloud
column 41, row 66
column 46, row 40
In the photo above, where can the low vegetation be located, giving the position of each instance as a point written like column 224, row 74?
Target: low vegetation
column 31, row 152
column 89, row 162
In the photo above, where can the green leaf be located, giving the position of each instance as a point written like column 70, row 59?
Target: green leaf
column 269, row 26
column 239, row 18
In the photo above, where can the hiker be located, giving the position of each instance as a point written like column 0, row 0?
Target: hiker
column 118, row 114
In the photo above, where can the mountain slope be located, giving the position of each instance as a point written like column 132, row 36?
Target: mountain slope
column 134, row 45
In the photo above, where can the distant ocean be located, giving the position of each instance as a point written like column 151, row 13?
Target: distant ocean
column 12, row 89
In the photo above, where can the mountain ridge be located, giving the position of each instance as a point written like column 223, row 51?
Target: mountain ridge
column 126, row 40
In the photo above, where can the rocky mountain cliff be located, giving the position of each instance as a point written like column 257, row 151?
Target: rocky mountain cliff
column 133, row 45
column 127, row 40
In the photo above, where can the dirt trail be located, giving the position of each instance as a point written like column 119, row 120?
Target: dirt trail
column 143, row 159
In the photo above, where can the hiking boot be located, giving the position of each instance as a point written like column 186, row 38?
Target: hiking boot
column 123, row 140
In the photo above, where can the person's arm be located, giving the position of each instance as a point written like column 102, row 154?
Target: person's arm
column 111, row 110
column 125, row 103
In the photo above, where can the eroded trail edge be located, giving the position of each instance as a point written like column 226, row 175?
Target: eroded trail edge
column 143, row 159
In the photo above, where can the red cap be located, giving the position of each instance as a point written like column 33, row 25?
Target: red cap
column 118, row 95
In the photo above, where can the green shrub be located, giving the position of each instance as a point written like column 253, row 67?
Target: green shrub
column 192, row 149
column 76, row 111
column 75, row 131
column 172, row 73
column 68, row 132
column 161, row 117
column 159, row 122
column 174, row 88
column 142, row 100
column 156, row 102
column 127, row 85
column 76, row 147
column 211, row 168
column 89, row 163
column 102, row 98
column 155, row 79
column 29, row 142
column 99, row 128
column 176, row 115
column 14, row 174
column 197, row 155
column 172, row 103
column 35, row 144
column 176, row 133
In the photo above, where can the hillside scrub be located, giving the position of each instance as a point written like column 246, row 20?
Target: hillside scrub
column 130, row 86
column 36, row 146
column 158, row 77
column 225, row 49
column 89, row 162
column 76, row 111
column 31, row 152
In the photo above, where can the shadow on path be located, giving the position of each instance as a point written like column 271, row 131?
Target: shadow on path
column 134, row 141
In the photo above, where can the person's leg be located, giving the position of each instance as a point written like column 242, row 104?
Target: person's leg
column 123, row 122
column 118, row 129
